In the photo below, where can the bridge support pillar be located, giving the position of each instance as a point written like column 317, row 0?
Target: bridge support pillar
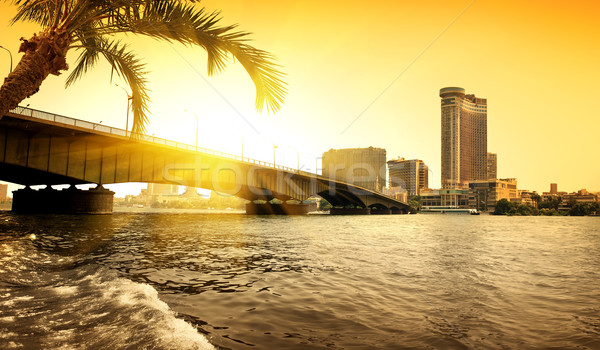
column 349, row 211
column 69, row 201
column 278, row 209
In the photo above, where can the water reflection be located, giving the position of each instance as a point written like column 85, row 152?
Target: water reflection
column 335, row 282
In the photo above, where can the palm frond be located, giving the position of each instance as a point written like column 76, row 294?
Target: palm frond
column 87, row 60
column 128, row 67
column 183, row 23
column 176, row 21
column 40, row 12
column 270, row 87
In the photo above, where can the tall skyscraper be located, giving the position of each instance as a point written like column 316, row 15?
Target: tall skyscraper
column 492, row 166
column 464, row 138
column 363, row 167
column 412, row 175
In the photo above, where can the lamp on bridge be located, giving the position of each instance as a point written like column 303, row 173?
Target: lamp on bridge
column 129, row 98
column 7, row 50
column 96, row 124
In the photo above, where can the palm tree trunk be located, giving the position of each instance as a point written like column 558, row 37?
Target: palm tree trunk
column 43, row 55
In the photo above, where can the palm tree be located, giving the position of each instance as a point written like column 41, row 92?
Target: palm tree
column 90, row 26
column 536, row 198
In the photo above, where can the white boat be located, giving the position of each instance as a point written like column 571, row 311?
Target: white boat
column 448, row 210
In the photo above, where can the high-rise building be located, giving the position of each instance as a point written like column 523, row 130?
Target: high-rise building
column 3, row 192
column 464, row 138
column 411, row 175
column 363, row 167
column 553, row 188
column 492, row 166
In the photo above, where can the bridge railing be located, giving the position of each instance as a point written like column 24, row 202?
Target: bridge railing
column 99, row 128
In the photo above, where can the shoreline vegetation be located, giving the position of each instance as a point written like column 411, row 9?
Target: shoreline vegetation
column 547, row 208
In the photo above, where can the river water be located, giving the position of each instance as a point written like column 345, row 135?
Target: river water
column 228, row 281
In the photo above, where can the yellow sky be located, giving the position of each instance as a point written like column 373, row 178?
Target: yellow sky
column 368, row 74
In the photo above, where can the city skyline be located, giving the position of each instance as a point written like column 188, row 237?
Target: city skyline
column 537, row 74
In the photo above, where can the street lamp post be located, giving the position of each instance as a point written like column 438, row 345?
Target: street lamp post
column 10, row 54
column 129, row 98
column 197, row 127
column 274, row 148
column 96, row 124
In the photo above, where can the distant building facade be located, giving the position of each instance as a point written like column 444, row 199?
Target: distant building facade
column 365, row 167
column 162, row 189
column 525, row 197
column 568, row 199
column 397, row 193
column 464, row 138
column 411, row 175
column 484, row 194
column 445, row 198
column 553, row 191
column 3, row 192
column 492, row 166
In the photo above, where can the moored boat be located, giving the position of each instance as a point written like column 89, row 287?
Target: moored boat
column 448, row 210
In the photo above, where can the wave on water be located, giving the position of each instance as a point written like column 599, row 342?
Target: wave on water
column 45, row 303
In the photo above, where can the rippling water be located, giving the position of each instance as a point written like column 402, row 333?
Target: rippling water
column 198, row 281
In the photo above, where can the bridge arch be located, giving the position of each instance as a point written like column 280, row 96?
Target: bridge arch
column 378, row 208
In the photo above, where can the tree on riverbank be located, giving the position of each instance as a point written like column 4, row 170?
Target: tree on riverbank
column 551, row 203
column 549, row 208
column 503, row 207
column 89, row 27
column 582, row 209
column 415, row 204
column 536, row 199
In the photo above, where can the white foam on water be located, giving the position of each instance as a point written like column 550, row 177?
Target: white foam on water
column 86, row 307
column 7, row 334
column 46, row 303
column 7, row 303
column 7, row 319
column 16, row 300
column 65, row 290
column 180, row 334
column 148, row 316
column 13, row 345
column 130, row 293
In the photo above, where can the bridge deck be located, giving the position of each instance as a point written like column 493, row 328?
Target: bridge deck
column 38, row 147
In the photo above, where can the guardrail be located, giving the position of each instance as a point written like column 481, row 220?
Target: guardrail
column 33, row 113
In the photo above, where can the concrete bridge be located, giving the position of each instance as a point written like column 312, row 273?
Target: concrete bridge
column 40, row 148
